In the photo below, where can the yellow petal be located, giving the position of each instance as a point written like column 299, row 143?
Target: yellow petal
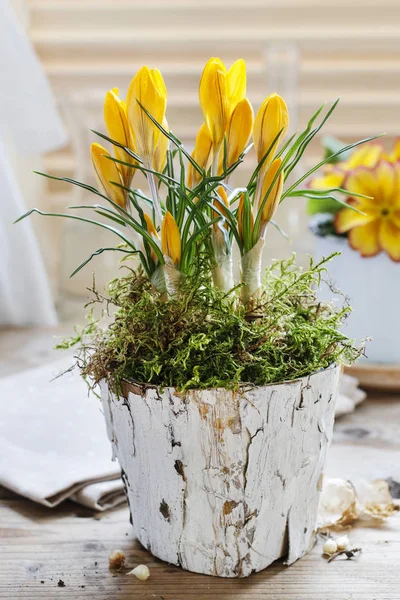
column 214, row 99
column 201, row 154
column 326, row 182
column 275, row 194
column 148, row 88
column 160, row 153
column 236, row 83
column 366, row 155
column 394, row 155
column 170, row 238
column 387, row 185
column 107, row 171
column 150, row 225
column 363, row 181
column 118, row 129
column 347, row 218
column 365, row 238
column 272, row 117
column 219, row 204
column 239, row 130
column 389, row 238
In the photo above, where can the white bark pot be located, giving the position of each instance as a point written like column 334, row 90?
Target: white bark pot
column 221, row 482
column 373, row 288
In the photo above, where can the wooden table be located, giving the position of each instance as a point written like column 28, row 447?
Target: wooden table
column 63, row 552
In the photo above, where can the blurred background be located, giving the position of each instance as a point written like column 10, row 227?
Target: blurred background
column 309, row 51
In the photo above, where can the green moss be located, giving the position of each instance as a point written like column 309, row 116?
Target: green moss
column 204, row 339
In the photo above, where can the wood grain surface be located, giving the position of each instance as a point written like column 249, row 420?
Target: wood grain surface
column 41, row 547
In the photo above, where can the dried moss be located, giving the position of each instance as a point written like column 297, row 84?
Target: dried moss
column 204, row 339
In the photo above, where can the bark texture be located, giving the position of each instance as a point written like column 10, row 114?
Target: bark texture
column 222, row 482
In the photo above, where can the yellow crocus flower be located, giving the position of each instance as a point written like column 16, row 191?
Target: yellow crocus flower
column 107, row 171
column 274, row 195
column 272, row 117
column 214, row 99
column 201, row 154
column 118, row 129
column 160, row 152
column 148, row 88
column 239, row 131
column 150, row 226
column 236, row 83
column 170, row 238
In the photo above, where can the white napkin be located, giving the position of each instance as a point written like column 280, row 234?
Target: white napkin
column 53, row 442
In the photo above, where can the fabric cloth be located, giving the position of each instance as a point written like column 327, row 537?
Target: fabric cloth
column 29, row 125
column 53, row 442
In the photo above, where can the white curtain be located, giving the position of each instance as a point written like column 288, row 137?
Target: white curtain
column 29, row 125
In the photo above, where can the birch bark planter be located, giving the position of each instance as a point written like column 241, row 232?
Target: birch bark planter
column 373, row 287
column 221, row 482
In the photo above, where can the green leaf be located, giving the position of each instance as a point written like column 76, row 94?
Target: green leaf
column 100, row 251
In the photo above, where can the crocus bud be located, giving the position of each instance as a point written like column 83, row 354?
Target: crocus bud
column 160, row 153
column 170, row 238
column 272, row 118
column 201, row 154
column 107, row 171
column 236, row 83
column 239, row 131
column 274, row 195
column 148, row 88
column 118, row 130
column 214, row 99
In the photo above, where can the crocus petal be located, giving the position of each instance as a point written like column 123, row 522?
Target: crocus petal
column 274, row 194
column 148, row 88
column 107, row 171
column 362, row 181
column 389, row 238
column 365, row 238
column 150, row 225
column 236, row 83
column 214, row 99
column 118, row 129
column 160, row 153
column 239, row 130
column 347, row 218
column 394, row 155
column 272, row 118
column 201, row 154
column 170, row 238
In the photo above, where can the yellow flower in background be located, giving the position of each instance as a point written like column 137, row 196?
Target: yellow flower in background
column 201, row 154
column 394, row 154
column 148, row 88
column 274, row 195
column 170, row 238
column 272, row 117
column 160, row 152
column 117, row 126
column 213, row 96
column 107, row 171
column 366, row 155
column 379, row 228
column 239, row 132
